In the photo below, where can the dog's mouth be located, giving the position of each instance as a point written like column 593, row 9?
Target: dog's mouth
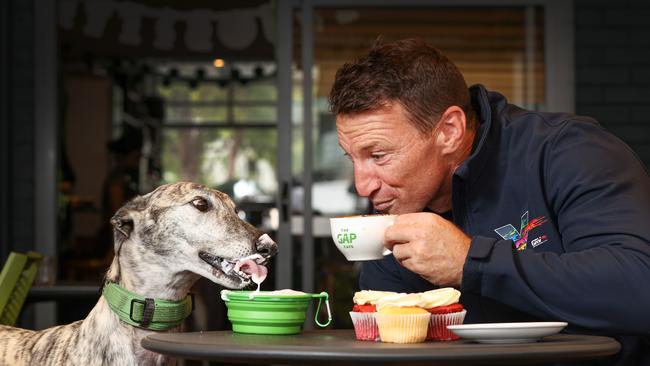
column 245, row 269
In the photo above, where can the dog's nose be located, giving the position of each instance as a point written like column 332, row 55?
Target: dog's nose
column 266, row 246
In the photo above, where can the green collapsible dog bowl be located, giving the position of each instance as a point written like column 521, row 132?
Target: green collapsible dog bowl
column 257, row 313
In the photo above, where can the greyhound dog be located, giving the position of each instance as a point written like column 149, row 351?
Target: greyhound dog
column 163, row 242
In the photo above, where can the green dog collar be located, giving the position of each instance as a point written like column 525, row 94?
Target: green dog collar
column 146, row 313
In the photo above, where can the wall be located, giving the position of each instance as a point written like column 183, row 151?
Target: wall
column 87, row 130
column 17, row 119
column 612, row 40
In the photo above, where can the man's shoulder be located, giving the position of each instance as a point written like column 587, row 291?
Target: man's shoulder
column 545, row 127
column 523, row 118
column 514, row 116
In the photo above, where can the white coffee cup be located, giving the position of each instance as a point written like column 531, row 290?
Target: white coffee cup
column 361, row 237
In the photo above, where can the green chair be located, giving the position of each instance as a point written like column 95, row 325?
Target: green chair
column 16, row 278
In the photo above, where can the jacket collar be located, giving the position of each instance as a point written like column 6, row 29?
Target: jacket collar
column 486, row 134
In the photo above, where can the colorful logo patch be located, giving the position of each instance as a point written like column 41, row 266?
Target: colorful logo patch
column 520, row 238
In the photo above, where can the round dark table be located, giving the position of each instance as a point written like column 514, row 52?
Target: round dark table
column 340, row 347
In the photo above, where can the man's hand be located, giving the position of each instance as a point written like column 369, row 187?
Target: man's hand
column 430, row 246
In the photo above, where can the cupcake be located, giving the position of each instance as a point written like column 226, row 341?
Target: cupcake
column 401, row 319
column 363, row 314
column 445, row 310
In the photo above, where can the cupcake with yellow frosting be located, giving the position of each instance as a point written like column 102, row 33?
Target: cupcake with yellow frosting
column 445, row 310
column 363, row 314
column 401, row 318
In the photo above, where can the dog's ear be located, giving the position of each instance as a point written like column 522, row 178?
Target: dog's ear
column 124, row 220
column 122, row 223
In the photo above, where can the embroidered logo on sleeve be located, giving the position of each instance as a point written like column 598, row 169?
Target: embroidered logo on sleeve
column 520, row 238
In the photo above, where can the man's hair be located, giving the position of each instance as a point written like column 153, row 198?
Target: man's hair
column 409, row 71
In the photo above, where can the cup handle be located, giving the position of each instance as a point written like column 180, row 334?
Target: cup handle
column 327, row 304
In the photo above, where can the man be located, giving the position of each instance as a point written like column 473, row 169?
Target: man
column 533, row 216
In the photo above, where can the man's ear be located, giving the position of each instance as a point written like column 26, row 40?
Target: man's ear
column 124, row 221
column 450, row 130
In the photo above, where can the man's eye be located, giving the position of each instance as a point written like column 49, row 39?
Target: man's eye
column 200, row 204
column 378, row 156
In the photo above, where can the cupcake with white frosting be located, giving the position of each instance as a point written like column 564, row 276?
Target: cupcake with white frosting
column 445, row 310
column 363, row 314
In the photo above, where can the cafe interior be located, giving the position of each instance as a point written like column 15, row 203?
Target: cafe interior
column 101, row 101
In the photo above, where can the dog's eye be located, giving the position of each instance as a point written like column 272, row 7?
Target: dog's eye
column 201, row 204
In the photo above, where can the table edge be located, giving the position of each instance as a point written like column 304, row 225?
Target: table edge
column 606, row 346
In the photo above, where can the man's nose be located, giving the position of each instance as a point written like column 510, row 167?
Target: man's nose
column 365, row 181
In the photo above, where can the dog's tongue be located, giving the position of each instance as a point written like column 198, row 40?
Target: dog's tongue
column 257, row 271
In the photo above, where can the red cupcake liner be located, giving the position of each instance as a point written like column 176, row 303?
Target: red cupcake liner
column 365, row 326
column 438, row 326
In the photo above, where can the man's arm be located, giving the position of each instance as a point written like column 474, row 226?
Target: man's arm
column 600, row 194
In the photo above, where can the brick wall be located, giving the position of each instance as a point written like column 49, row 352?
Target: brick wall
column 612, row 40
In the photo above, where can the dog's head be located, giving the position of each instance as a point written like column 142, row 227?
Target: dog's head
column 184, row 227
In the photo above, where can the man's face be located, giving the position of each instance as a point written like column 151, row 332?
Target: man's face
column 399, row 169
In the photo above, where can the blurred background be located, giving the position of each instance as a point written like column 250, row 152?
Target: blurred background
column 104, row 100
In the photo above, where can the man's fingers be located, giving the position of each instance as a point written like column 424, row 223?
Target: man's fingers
column 401, row 252
column 389, row 245
column 396, row 234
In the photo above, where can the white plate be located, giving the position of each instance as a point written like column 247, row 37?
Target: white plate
column 507, row 332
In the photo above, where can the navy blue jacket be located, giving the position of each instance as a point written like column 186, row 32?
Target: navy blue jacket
column 559, row 214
